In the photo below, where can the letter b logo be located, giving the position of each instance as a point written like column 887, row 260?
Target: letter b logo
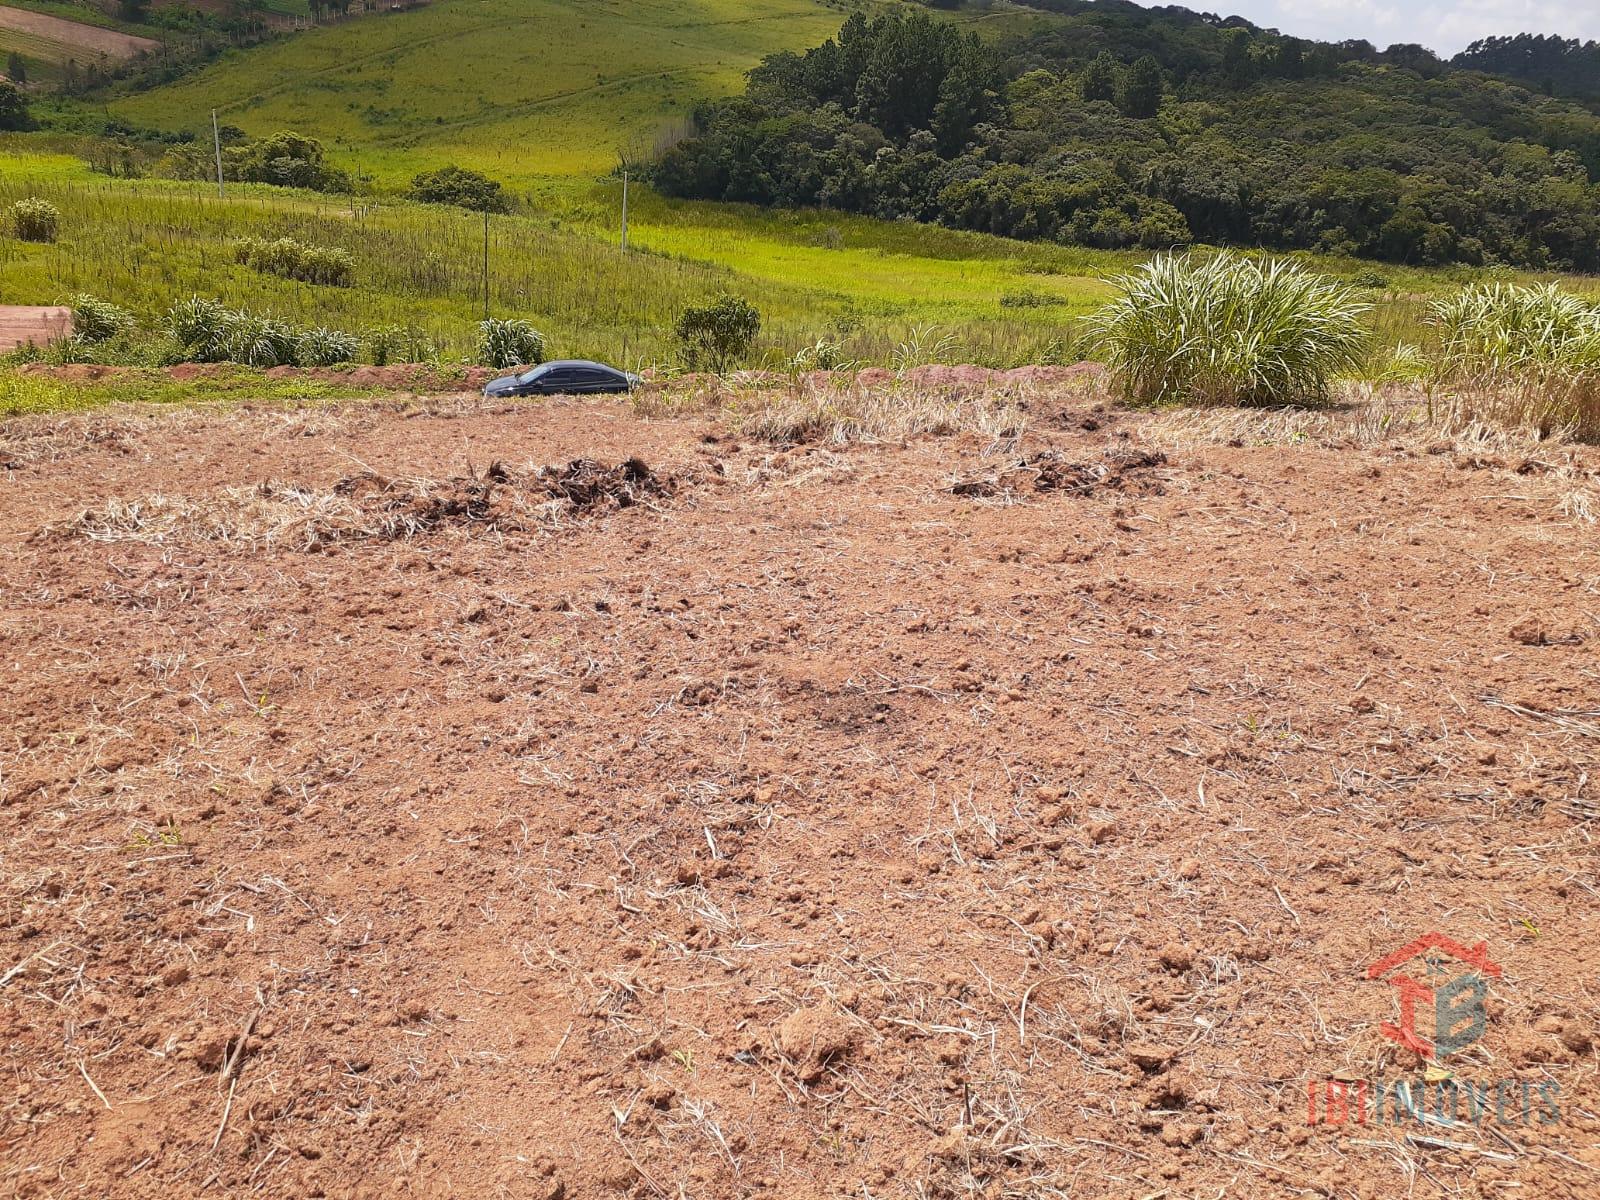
column 1459, row 1018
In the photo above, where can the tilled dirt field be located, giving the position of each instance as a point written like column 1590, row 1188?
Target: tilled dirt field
column 543, row 802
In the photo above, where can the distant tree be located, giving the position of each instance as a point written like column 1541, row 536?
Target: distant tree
column 16, row 69
column 1099, row 81
column 287, row 159
column 461, row 187
column 14, row 108
column 718, row 334
column 1238, row 66
column 1139, row 89
column 1414, row 58
column 964, row 100
column 1290, row 59
column 133, row 10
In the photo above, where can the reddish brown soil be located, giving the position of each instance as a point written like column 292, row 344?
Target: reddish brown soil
column 24, row 323
column 786, row 824
column 91, row 39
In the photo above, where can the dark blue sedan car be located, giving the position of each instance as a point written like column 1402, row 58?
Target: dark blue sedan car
column 565, row 378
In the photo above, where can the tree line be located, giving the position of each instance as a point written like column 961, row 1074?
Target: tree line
column 1119, row 126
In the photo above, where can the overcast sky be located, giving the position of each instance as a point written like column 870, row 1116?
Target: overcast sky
column 1442, row 25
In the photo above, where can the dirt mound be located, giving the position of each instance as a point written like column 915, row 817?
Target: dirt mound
column 586, row 486
column 502, row 498
column 1121, row 468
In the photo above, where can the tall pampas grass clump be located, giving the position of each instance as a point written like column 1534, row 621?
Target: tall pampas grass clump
column 1527, row 357
column 1226, row 329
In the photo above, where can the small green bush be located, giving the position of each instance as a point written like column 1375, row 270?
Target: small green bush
column 717, row 335
column 326, row 348
column 35, row 220
column 327, row 265
column 289, row 259
column 384, row 345
column 202, row 330
column 96, row 320
column 261, row 341
column 199, row 327
column 1501, row 329
column 509, row 343
column 1229, row 330
column 459, row 186
column 389, row 344
column 821, row 355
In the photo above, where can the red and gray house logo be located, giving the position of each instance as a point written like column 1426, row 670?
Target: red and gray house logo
column 1438, row 974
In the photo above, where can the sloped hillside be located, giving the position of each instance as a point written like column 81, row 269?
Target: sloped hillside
column 523, row 89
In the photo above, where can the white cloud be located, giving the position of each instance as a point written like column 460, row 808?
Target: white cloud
column 1444, row 25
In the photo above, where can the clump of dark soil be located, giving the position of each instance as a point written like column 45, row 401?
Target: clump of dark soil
column 1125, row 469
column 587, row 486
column 502, row 498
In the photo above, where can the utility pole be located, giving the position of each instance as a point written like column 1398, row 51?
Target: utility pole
column 486, row 264
column 624, row 208
column 216, row 142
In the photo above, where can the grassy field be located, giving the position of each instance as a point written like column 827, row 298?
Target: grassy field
column 875, row 286
column 530, row 91
column 146, row 243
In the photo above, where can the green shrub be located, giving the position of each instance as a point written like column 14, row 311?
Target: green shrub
column 503, row 343
column 74, row 349
column 384, row 345
column 1500, row 329
column 326, row 348
column 35, row 220
column 388, row 344
column 95, row 320
column 327, row 265
column 203, row 330
column 459, row 186
column 717, row 335
column 199, row 327
column 260, row 341
column 822, row 355
column 1229, row 330
column 290, row 259
column 285, row 159
column 14, row 112
column 1376, row 280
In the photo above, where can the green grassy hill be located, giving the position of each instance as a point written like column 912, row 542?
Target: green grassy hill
column 529, row 91
column 146, row 243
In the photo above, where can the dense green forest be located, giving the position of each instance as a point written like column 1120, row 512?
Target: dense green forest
column 1555, row 65
column 1114, row 125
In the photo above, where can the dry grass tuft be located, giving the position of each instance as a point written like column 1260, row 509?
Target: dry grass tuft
column 1406, row 420
column 843, row 410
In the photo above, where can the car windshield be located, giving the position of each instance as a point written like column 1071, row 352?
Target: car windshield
column 535, row 374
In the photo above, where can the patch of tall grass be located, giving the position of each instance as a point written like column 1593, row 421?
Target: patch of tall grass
column 1522, row 356
column 1228, row 329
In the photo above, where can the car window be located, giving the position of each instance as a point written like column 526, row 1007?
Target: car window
column 596, row 375
column 534, row 375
